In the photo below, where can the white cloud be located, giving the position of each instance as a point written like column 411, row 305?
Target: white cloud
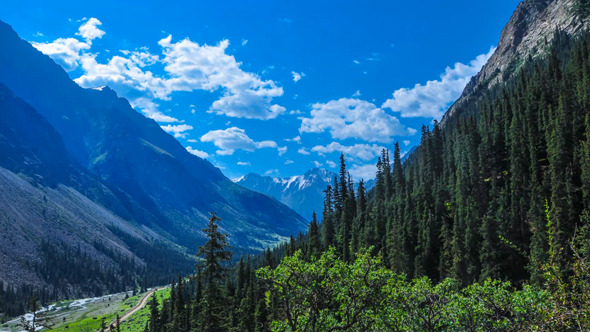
column 356, row 94
column 90, row 31
column 366, row 172
column 353, row 118
column 231, row 139
column 432, row 99
column 271, row 171
column 356, row 61
column 244, row 42
column 296, row 139
column 187, row 66
column 406, row 142
column 128, row 77
column 331, row 164
column 282, row 150
column 243, row 163
column 359, row 151
column 192, row 140
column 160, row 117
column 297, row 76
column 303, row 151
column 64, row 51
column 196, row 67
column 198, row 153
column 289, row 162
column 317, row 163
column 177, row 130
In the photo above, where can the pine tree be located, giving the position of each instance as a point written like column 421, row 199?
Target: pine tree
column 216, row 253
column 313, row 235
column 327, row 220
column 154, row 322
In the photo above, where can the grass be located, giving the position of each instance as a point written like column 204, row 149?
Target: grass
column 91, row 319
column 64, row 318
column 136, row 323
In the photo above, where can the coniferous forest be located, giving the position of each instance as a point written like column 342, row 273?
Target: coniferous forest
column 485, row 227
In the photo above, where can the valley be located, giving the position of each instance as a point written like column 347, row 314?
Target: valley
column 119, row 143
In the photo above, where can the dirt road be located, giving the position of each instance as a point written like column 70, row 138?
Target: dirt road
column 135, row 309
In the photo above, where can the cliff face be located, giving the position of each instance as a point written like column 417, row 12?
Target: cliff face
column 527, row 34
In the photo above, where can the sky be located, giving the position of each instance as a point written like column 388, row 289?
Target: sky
column 273, row 87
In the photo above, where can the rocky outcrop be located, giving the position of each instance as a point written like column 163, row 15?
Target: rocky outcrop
column 527, row 34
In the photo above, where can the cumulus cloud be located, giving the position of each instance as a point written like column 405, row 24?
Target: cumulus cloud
column 303, row 151
column 297, row 76
column 363, row 171
column 198, row 153
column 128, row 77
column 64, row 51
column 353, row 118
column 432, row 99
column 196, row 67
column 90, row 31
column 359, row 151
column 296, row 139
column 187, row 66
column 231, row 139
column 177, row 130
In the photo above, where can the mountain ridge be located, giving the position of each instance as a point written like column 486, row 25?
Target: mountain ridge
column 303, row 193
column 105, row 135
column 527, row 34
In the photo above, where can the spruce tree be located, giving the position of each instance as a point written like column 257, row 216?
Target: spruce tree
column 215, row 253
column 314, row 245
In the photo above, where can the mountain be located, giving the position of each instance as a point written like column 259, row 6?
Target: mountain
column 50, row 209
column 527, row 35
column 303, row 193
column 82, row 171
column 104, row 135
column 500, row 188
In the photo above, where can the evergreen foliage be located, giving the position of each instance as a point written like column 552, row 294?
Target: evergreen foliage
column 485, row 227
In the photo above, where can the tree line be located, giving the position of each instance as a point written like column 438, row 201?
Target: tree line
column 484, row 227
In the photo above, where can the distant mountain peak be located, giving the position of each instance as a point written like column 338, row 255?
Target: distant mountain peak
column 303, row 193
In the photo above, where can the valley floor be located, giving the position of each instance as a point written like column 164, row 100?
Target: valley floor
column 87, row 314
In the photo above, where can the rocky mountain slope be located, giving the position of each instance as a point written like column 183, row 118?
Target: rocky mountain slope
column 527, row 34
column 303, row 193
column 81, row 168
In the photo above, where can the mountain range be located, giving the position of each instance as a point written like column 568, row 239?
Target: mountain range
column 82, row 170
column 83, row 173
column 303, row 193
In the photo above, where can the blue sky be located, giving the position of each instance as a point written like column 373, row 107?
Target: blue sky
column 273, row 87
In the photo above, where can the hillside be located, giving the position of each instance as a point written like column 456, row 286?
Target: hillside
column 88, row 180
column 104, row 135
column 484, row 227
